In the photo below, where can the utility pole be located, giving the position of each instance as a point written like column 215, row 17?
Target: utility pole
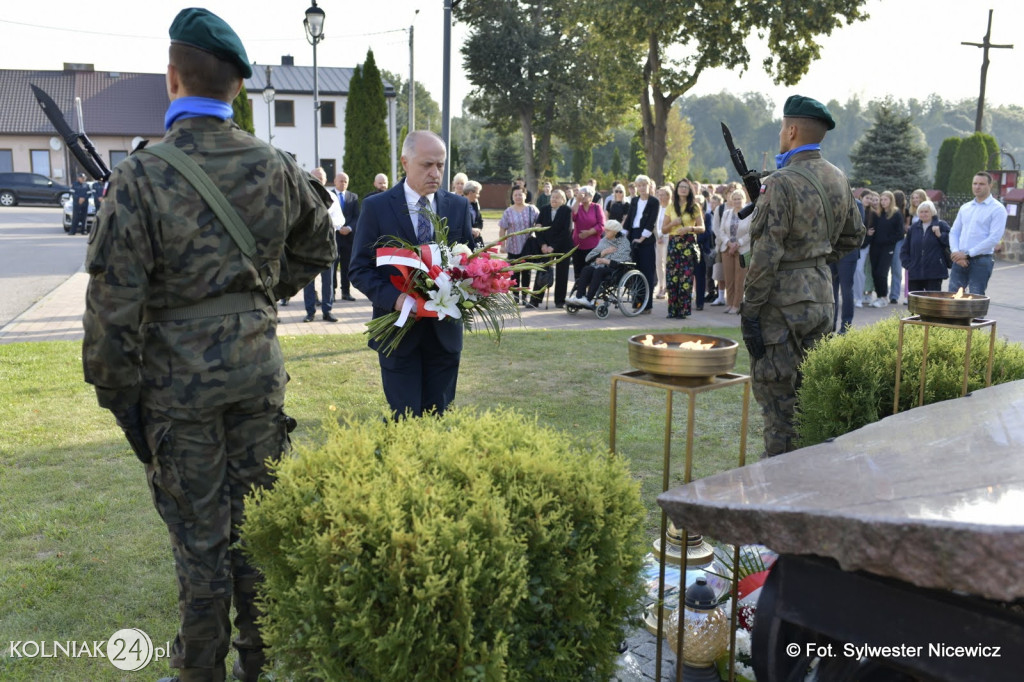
column 412, row 80
column 985, row 44
column 447, row 92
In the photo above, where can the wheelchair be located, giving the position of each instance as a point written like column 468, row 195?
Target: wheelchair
column 626, row 289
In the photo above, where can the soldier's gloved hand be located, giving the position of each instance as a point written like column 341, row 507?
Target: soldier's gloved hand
column 751, row 327
column 130, row 421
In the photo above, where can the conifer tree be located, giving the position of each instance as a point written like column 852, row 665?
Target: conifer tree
column 637, row 155
column 616, row 163
column 891, row 154
column 366, row 128
column 970, row 158
column 242, row 108
column 944, row 163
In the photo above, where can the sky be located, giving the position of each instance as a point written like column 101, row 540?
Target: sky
column 907, row 48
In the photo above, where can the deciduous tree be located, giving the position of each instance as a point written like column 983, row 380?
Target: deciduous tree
column 536, row 66
column 708, row 35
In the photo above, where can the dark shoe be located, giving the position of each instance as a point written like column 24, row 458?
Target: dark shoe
column 307, row 318
column 560, row 305
column 284, row 301
column 346, row 297
column 645, row 312
column 700, row 307
column 329, row 318
column 530, row 306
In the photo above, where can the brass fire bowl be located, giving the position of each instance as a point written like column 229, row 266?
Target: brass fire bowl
column 940, row 306
column 683, row 364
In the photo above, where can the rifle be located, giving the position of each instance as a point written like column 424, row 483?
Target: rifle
column 79, row 143
column 751, row 178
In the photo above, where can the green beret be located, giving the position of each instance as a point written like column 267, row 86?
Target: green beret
column 799, row 106
column 203, row 29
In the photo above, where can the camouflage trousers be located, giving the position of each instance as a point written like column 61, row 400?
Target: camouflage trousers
column 788, row 334
column 205, row 462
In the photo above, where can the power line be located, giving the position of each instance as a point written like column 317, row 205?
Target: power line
column 164, row 37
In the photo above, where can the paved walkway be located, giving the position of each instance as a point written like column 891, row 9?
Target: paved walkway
column 58, row 315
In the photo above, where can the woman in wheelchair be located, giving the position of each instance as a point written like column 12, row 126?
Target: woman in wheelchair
column 612, row 250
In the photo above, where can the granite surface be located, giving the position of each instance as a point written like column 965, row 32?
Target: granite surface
column 933, row 496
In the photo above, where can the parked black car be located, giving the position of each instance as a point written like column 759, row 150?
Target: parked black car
column 17, row 188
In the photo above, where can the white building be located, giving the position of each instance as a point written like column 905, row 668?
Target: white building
column 287, row 121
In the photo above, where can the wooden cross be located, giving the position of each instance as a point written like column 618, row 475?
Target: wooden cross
column 986, row 44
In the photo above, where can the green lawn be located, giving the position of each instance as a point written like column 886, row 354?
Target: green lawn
column 83, row 553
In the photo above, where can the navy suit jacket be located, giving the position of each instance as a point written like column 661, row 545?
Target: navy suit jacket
column 386, row 214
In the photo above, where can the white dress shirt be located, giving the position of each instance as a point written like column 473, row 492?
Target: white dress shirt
column 978, row 227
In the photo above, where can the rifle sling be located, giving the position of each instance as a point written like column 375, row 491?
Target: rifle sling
column 224, row 211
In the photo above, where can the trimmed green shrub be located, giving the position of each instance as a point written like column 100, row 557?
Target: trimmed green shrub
column 474, row 546
column 850, row 380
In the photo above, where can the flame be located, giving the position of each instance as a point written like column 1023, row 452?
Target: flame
column 959, row 293
column 648, row 340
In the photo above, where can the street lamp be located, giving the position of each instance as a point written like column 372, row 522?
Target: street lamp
column 314, row 25
column 268, row 97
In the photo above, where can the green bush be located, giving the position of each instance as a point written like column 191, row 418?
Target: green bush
column 474, row 546
column 850, row 380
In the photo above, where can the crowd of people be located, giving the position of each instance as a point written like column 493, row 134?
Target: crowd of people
column 689, row 241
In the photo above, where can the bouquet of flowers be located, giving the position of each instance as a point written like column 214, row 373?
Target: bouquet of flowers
column 453, row 282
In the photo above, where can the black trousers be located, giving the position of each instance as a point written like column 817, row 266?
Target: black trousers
column 881, row 262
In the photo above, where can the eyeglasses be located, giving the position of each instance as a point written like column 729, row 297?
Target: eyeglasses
column 618, row 191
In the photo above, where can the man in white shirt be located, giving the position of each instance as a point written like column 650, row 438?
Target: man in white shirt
column 976, row 232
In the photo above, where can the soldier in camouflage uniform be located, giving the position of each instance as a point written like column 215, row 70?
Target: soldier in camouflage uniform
column 180, row 332
column 787, row 298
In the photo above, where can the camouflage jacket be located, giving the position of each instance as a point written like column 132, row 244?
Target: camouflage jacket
column 157, row 245
column 789, row 233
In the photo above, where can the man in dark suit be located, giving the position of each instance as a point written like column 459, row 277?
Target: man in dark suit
column 641, row 222
column 349, row 202
column 420, row 374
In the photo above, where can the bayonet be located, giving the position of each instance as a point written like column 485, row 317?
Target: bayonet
column 78, row 143
column 751, row 178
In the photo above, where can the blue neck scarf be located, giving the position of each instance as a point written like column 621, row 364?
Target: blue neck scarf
column 782, row 159
column 191, row 107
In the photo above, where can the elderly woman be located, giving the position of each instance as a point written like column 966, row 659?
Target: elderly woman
column 642, row 223
column 516, row 218
column 732, row 236
column 587, row 227
column 471, row 190
column 459, row 181
column 557, row 217
column 682, row 223
column 922, row 254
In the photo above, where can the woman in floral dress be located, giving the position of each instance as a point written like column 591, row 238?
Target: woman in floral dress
column 682, row 224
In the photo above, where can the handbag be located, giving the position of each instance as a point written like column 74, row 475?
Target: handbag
column 947, row 253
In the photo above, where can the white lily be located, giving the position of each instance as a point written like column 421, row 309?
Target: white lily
column 466, row 290
column 444, row 301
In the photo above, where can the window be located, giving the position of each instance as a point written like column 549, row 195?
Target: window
column 41, row 161
column 117, row 156
column 284, row 112
column 329, row 166
column 327, row 114
column 6, row 161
